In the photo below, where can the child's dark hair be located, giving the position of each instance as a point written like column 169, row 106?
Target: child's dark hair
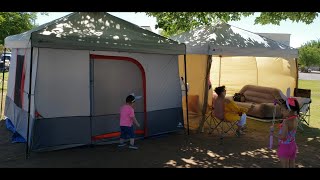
column 220, row 89
column 130, row 99
column 296, row 107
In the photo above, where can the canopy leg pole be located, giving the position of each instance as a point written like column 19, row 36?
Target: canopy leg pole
column 206, row 92
column 220, row 70
column 186, row 88
column 29, row 106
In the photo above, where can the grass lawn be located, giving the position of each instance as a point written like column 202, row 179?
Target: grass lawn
column 315, row 96
column 6, row 74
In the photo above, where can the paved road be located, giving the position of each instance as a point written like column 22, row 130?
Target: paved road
column 309, row 76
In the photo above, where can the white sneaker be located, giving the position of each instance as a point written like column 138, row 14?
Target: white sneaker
column 122, row 144
column 133, row 147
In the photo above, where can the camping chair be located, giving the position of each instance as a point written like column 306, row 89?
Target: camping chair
column 304, row 114
column 303, row 97
column 223, row 127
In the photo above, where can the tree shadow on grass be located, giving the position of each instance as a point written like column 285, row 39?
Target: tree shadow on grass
column 250, row 150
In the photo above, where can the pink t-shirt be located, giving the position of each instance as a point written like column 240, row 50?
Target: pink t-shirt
column 126, row 113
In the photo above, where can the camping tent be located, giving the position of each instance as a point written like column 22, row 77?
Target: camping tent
column 82, row 68
column 239, row 57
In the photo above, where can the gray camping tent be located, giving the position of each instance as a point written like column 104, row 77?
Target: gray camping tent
column 82, row 68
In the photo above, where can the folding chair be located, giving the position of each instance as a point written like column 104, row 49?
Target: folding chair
column 303, row 97
column 304, row 115
column 217, row 124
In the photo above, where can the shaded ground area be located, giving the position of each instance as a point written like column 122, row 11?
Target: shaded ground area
column 172, row 150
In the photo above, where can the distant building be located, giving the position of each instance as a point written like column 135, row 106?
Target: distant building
column 280, row 37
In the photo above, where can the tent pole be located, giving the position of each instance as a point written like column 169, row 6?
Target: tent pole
column 3, row 70
column 297, row 72
column 186, row 88
column 220, row 69
column 206, row 92
column 257, row 71
column 29, row 104
column 91, row 95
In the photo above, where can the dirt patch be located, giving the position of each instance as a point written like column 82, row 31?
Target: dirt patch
column 171, row 150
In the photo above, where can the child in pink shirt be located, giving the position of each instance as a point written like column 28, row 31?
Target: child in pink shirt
column 287, row 148
column 127, row 118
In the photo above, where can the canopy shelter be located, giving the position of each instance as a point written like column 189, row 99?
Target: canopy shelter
column 234, row 57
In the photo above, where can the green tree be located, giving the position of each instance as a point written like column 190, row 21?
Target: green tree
column 1, row 48
column 15, row 22
column 309, row 54
column 175, row 22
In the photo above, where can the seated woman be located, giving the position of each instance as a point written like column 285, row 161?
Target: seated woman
column 228, row 110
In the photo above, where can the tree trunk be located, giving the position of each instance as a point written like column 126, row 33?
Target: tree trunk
column 206, row 90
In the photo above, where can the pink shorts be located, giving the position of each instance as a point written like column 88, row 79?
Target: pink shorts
column 287, row 151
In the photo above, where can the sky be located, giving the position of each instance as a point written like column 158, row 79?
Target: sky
column 300, row 32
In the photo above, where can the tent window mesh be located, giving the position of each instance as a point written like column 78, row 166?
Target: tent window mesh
column 18, row 81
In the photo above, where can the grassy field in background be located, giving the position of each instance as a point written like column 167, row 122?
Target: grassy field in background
column 6, row 74
column 315, row 97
